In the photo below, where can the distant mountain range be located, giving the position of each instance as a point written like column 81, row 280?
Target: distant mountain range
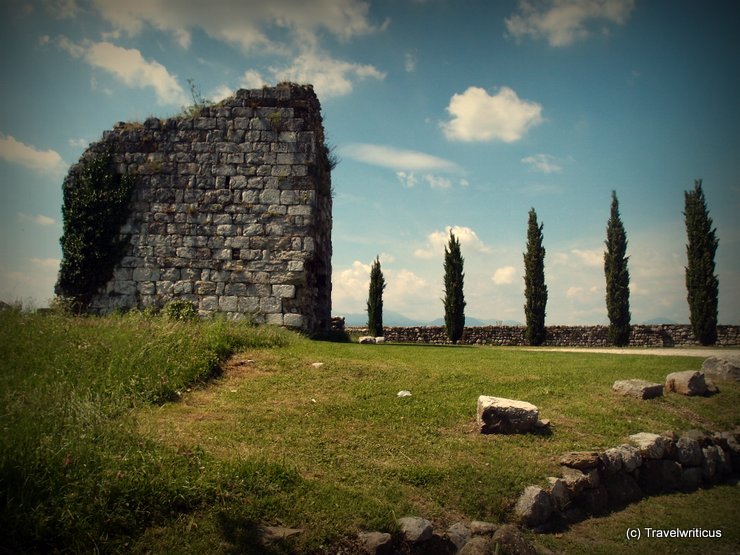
column 391, row 318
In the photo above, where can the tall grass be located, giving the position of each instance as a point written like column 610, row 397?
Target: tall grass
column 74, row 473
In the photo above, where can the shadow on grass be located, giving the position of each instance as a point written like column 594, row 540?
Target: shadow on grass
column 245, row 537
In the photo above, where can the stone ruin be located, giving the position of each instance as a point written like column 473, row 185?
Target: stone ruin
column 232, row 210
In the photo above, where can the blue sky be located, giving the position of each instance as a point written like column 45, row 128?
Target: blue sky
column 444, row 114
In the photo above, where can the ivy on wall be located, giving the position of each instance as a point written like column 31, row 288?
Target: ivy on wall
column 95, row 206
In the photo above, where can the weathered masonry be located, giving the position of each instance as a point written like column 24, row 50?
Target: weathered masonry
column 232, row 210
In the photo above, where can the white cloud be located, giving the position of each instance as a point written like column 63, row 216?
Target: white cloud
column 38, row 219
column 504, row 276
column 582, row 294
column 219, row 93
column 46, row 263
column 128, row 66
column 42, row 161
column 478, row 116
column 409, row 62
column 544, row 163
column 562, row 22
column 438, row 182
column 242, row 23
column 78, row 143
column 577, row 258
column 329, row 76
column 406, row 292
column 407, row 179
column 252, row 79
column 397, row 159
column 438, row 240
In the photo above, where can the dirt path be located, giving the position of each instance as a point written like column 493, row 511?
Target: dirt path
column 703, row 352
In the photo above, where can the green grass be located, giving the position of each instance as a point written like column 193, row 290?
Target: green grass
column 91, row 455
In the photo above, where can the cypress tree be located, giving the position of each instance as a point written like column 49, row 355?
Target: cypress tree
column 701, row 283
column 617, row 278
column 454, row 301
column 535, row 290
column 375, row 300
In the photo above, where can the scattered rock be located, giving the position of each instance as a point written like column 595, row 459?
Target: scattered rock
column 688, row 451
column 722, row 368
column 658, row 476
column 588, row 478
column 651, row 446
column 379, row 340
column 559, row 493
column 631, row 458
column 366, row 340
column 479, row 545
column 690, row 478
column 611, row 459
column 511, row 539
column 403, row 393
column 497, row 415
column 594, row 501
column 480, row 528
column 640, row 389
column 575, row 480
column 459, row 534
column 581, row 459
column 376, row 543
column 542, row 425
column 534, row 507
column 415, row 529
column 711, row 388
column 689, row 383
column 702, row 437
column 710, row 463
column 317, row 364
column 622, row 489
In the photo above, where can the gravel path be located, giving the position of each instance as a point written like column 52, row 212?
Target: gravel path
column 703, row 352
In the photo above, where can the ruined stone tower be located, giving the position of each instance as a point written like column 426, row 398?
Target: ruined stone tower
column 231, row 210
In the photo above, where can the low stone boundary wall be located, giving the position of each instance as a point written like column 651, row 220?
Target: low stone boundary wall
column 664, row 335
column 594, row 482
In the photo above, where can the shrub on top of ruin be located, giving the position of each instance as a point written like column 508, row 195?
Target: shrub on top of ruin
column 95, row 206
column 199, row 101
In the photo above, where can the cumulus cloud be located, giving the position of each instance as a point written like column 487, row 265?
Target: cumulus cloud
column 46, row 263
column 504, row 276
column 287, row 28
column 243, row 23
column 544, row 163
column 479, row 116
column 128, row 66
column 329, row 76
column 38, row 219
column 405, row 292
column 407, row 179
column 42, row 161
column 438, row 182
column 563, row 22
column 579, row 258
column 437, row 240
column 396, row 158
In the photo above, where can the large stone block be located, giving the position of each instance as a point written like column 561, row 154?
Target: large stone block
column 534, row 506
column 722, row 368
column 505, row 416
column 640, row 389
column 689, row 382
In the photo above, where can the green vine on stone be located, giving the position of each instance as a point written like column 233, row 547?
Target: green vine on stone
column 95, row 206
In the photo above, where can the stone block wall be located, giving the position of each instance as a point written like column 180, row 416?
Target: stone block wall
column 665, row 335
column 232, row 210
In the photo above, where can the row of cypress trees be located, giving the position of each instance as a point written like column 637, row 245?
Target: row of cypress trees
column 701, row 282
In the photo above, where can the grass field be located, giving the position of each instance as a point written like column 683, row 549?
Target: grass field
column 117, row 436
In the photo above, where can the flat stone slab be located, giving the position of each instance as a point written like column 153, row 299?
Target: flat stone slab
column 640, row 389
column 581, row 459
column 497, row 415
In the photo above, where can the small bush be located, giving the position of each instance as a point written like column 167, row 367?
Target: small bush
column 180, row 310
